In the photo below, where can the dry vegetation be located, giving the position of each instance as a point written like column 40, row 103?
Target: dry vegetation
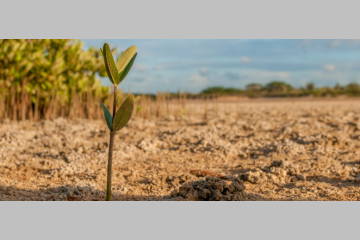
column 17, row 106
column 261, row 149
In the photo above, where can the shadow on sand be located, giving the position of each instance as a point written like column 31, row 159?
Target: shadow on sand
column 68, row 193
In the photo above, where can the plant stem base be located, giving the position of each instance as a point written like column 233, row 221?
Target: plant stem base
column 111, row 145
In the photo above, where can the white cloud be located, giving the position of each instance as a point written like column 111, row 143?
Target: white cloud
column 196, row 80
column 329, row 67
column 140, row 68
column 305, row 44
column 275, row 74
column 335, row 43
column 138, row 79
column 353, row 42
column 159, row 67
column 203, row 71
column 245, row 60
column 232, row 76
column 323, row 79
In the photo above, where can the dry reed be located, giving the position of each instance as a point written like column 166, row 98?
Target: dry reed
column 18, row 104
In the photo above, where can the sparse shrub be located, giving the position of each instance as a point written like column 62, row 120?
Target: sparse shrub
column 139, row 108
column 353, row 89
column 44, row 78
column 182, row 111
column 310, row 86
column 279, row 87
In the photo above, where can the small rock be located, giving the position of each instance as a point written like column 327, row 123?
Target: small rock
column 282, row 173
column 72, row 198
column 70, row 191
column 274, row 178
column 357, row 179
column 254, row 177
column 80, row 150
column 3, row 185
column 56, row 190
column 173, row 193
column 293, row 179
column 287, row 130
column 190, row 197
column 351, row 178
column 301, row 177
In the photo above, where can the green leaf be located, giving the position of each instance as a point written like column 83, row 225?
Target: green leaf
column 125, row 58
column 110, row 65
column 123, row 114
column 126, row 70
column 108, row 116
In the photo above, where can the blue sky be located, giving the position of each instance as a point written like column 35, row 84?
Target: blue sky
column 192, row 65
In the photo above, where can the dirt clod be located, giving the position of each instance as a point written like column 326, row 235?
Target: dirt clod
column 211, row 189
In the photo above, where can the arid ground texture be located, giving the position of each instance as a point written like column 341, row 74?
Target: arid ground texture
column 253, row 150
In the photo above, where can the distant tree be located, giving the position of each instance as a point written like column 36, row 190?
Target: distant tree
column 353, row 85
column 253, row 87
column 310, row 86
column 221, row 90
column 213, row 90
column 353, row 89
column 338, row 89
column 232, row 91
column 277, row 86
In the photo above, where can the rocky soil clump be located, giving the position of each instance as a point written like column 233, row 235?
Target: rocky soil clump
column 210, row 189
column 279, row 172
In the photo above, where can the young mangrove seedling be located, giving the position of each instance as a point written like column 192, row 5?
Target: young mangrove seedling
column 116, row 73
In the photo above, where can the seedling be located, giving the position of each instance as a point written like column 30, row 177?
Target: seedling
column 139, row 108
column 182, row 111
column 117, row 73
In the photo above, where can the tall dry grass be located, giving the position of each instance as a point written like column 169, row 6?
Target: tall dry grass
column 19, row 106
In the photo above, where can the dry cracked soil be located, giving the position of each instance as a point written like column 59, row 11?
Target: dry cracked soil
column 265, row 150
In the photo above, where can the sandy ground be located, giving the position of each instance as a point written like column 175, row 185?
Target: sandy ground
column 265, row 150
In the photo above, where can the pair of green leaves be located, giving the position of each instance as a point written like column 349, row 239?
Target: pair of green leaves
column 122, row 116
column 117, row 72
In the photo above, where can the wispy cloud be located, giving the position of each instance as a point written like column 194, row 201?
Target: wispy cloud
column 138, row 79
column 140, row 67
column 232, row 76
column 159, row 67
column 196, row 82
column 203, row 71
column 275, row 74
column 329, row 67
column 245, row 60
column 335, row 43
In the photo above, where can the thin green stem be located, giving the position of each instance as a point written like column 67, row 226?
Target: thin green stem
column 108, row 187
column 111, row 147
